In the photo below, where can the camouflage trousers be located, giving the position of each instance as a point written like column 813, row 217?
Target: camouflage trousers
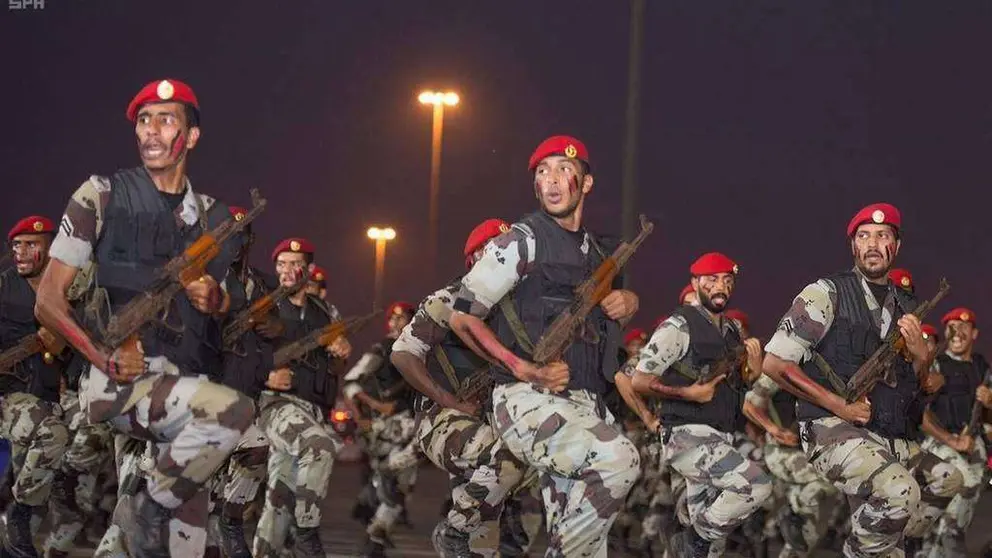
column 948, row 539
column 883, row 479
column 76, row 490
column 809, row 497
column 194, row 423
column 236, row 485
column 394, row 454
column 637, row 507
column 585, row 465
column 484, row 476
column 38, row 439
column 722, row 486
column 301, row 456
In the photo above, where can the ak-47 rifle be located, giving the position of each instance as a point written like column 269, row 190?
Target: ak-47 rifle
column 257, row 312
column 880, row 363
column 977, row 410
column 322, row 337
column 27, row 346
column 475, row 386
column 174, row 277
column 734, row 361
column 588, row 295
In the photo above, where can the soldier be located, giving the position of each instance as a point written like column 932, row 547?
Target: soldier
column 902, row 279
column 317, row 284
column 451, row 433
column 585, row 464
column 131, row 224
column 688, row 296
column 293, row 415
column 946, row 424
column 700, row 417
column 30, row 417
column 863, row 448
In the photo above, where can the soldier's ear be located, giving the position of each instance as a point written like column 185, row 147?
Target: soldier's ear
column 193, row 137
column 974, row 333
column 587, row 182
column 898, row 245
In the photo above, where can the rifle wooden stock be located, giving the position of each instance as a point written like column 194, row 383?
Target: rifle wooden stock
column 880, row 362
column 590, row 293
column 977, row 410
column 734, row 361
column 256, row 312
column 322, row 337
column 175, row 276
column 476, row 385
column 28, row 346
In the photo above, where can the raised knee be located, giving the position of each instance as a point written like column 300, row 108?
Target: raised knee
column 898, row 490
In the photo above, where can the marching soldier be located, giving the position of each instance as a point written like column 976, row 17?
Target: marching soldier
column 864, row 448
column 293, row 416
column 688, row 296
column 132, row 223
column 903, row 279
column 700, row 416
column 450, row 432
column 30, row 416
column 317, row 284
column 554, row 417
column 950, row 436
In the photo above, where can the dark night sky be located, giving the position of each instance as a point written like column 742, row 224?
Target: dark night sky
column 765, row 125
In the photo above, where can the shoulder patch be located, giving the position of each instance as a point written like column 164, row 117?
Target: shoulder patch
column 100, row 183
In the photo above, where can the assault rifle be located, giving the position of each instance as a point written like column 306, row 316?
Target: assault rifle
column 734, row 361
column 322, row 337
column 475, row 386
column 588, row 295
column 175, row 276
column 879, row 364
column 977, row 410
column 27, row 346
column 257, row 312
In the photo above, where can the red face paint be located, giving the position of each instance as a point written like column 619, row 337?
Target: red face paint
column 888, row 254
column 178, row 145
column 573, row 184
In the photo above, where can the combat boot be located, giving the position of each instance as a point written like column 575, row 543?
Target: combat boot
column 912, row 546
column 19, row 543
column 232, row 531
column 308, row 543
column 145, row 525
column 372, row 548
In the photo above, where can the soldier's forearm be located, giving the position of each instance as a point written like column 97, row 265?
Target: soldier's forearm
column 932, row 428
column 795, row 381
column 759, row 416
column 652, row 386
column 483, row 342
column 52, row 310
column 415, row 372
column 630, row 396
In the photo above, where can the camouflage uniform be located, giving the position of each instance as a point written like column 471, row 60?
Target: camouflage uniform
column 38, row 440
column 495, row 505
column 723, row 485
column 585, row 465
column 882, row 477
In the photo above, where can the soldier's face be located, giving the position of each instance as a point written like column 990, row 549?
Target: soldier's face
column 290, row 267
column 30, row 253
column 961, row 336
column 714, row 290
column 396, row 324
column 874, row 248
column 164, row 136
column 559, row 185
column 932, row 343
column 634, row 347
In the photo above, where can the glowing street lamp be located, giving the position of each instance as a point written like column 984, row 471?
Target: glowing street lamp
column 438, row 100
column 380, row 236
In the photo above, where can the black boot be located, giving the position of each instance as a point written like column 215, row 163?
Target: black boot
column 912, row 545
column 20, row 543
column 145, row 524
column 308, row 543
column 232, row 532
column 688, row 544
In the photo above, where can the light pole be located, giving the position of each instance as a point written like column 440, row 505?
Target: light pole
column 439, row 100
column 380, row 236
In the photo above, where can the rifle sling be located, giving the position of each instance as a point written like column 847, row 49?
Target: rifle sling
column 773, row 414
column 839, row 386
column 516, row 325
column 447, row 368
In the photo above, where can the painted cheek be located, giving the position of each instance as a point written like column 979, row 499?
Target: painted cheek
column 888, row 253
column 178, row 145
column 573, row 184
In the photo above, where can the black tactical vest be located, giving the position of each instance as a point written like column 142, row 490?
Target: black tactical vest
column 953, row 403
column 546, row 291
column 248, row 361
column 313, row 379
column 450, row 363
column 140, row 234
column 707, row 345
column 851, row 340
column 783, row 405
column 33, row 375
column 387, row 384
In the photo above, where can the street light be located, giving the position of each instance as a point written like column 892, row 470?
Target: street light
column 380, row 236
column 439, row 100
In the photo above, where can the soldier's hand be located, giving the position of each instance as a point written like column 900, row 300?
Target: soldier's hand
column 468, row 408
column 280, row 379
column 858, row 413
column 270, row 328
column 52, row 343
column 620, row 304
column 963, row 444
column 204, row 294
column 652, row 422
column 386, row 409
column 126, row 363
column 909, row 327
column 553, row 376
column 340, row 348
column 754, row 358
column 785, row 436
column 703, row 393
column 933, row 382
column 984, row 394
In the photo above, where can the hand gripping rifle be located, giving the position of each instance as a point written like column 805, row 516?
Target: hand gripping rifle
column 588, row 295
column 257, row 312
column 880, row 363
column 175, row 276
column 322, row 337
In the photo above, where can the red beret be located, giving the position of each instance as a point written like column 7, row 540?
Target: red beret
column 735, row 314
column 34, row 224
column 878, row 213
column 162, row 91
column 318, row 275
column 483, row 232
column 929, row 331
column 636, row 334
column 566, row 146
column 711, row 264
column 901, row 278
column 294, row 244
column 960, row 314
column 685, row 292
